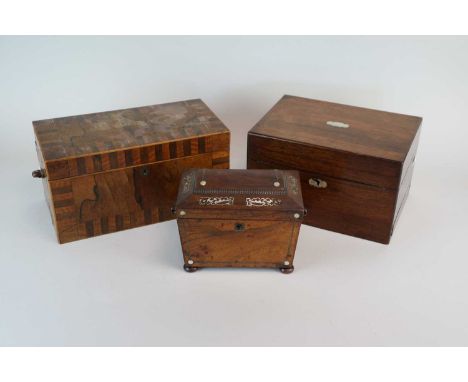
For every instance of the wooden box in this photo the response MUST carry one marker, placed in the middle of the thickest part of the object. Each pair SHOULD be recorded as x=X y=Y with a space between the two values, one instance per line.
x=239 y=218
x=110 y=171
x=355 y=164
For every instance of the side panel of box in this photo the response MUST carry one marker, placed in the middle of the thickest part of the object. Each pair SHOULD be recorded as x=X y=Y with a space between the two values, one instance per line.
x=406 y=178
x=410 y=157
x=46 y=186
x=403 y=194
x=111 y=201
x=346 y=207
x=238 y=243
x=220 y=147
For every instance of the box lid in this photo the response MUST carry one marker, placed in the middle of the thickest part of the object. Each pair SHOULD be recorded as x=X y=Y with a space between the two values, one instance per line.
x=375 y=142
x=240 y=194
x=73 y=146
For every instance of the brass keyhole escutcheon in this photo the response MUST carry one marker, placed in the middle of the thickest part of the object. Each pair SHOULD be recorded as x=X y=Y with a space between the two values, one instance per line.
x=239 y=227
x=317 y=183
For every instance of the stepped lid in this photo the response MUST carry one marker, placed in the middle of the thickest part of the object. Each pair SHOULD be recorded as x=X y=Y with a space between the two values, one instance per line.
x=246 y=194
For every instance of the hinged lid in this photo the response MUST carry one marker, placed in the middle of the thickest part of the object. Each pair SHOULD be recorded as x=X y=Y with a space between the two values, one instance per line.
x=90 y=143
x=240 y=194
x=353 y=143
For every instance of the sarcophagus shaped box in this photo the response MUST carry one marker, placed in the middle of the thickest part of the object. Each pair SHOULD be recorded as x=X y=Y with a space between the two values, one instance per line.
x=110 y=171
x=355 y=164
x=239 y=218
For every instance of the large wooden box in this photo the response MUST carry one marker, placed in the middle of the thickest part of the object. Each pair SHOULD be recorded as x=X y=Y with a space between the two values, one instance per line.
x=355 y=164
x=110 y=171
x=239 y=218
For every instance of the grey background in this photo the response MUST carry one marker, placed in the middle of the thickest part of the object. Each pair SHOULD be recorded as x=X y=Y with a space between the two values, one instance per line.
x=129 y=288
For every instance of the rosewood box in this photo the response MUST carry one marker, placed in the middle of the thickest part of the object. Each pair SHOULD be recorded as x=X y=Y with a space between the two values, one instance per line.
x=105 y=172
x=239 y=218
x=355 y=164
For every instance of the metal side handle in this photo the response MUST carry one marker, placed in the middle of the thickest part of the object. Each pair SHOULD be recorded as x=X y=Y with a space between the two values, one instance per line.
x=39 y=173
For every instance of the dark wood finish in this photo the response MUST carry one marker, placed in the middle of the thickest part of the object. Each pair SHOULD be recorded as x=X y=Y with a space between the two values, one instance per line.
x=344 y=206
x=239 y=218
x=90 y=192
x=374 y=133
x=364 y=157
x=357 y=168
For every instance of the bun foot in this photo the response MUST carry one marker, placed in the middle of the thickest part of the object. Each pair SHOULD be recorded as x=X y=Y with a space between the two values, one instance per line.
x=190 y=269
x=287 y=270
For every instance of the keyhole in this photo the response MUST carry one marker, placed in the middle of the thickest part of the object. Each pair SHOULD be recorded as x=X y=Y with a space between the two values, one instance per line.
x=239 y=227
x=145 y=172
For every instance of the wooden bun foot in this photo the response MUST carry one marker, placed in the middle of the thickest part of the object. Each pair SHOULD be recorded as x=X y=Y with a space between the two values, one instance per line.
x=287 y=270
x=190 y=269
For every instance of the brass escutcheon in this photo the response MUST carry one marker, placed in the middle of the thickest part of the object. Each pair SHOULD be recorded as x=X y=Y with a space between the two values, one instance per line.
x=239 y=227
x=318 y=183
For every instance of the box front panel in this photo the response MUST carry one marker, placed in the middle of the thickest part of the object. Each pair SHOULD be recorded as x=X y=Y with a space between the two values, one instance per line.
x=237 y=243
x=346 y=207
x=349 y=208
x=111 y=201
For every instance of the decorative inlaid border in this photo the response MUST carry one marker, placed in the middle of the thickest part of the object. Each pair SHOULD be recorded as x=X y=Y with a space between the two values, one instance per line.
x=289 y=182
x=242 y=191
x=293 y=186
x=262 y=202
x=187 y=183
x=216 y=201
x=71 y=227
x=91 y=164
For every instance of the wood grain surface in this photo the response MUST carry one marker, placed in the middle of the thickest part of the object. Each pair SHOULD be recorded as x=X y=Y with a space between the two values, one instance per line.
x=115 y=200
x=239 y=218
x=95 y=133
x=244 y=188
x=371 y=132
x=217 y=243
x=366 y=166
x=125 y=185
